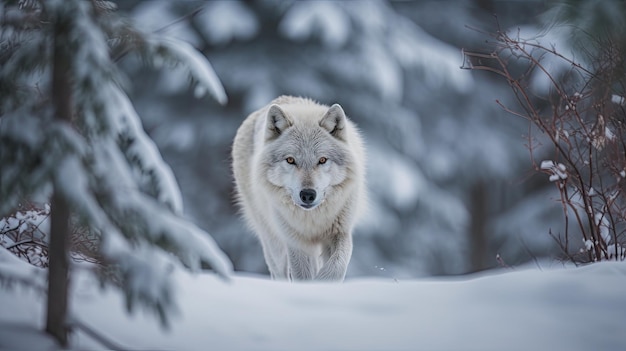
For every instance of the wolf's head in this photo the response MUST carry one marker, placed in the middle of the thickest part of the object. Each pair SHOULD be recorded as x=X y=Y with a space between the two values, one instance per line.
x=307 y=153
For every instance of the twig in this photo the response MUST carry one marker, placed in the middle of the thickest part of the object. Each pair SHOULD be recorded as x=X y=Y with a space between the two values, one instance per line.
x=26 y=241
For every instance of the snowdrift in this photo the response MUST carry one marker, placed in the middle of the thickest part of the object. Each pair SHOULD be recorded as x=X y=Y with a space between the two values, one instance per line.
x=557 y=309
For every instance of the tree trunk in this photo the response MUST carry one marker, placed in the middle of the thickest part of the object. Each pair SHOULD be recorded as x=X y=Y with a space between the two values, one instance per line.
x=478 y=223
x=58 y=269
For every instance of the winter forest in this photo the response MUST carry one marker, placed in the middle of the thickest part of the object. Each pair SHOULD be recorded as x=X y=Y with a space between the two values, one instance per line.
x=495 y=134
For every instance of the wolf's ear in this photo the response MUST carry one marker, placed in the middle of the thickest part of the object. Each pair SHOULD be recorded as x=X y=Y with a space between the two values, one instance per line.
x=277 y=122
x=335 y=121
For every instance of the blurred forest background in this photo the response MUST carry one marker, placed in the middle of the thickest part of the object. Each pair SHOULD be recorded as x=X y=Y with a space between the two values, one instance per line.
x=450 y=178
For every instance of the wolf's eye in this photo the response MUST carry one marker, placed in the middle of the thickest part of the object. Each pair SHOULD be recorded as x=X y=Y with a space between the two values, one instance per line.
x=323 y=160
x=290 y=160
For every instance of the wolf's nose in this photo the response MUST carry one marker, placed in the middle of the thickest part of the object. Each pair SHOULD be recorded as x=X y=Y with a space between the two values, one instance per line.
x=307 y=196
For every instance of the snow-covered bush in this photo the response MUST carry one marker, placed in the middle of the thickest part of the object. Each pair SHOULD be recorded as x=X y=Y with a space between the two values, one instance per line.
x=69 y=131
x=24 y=233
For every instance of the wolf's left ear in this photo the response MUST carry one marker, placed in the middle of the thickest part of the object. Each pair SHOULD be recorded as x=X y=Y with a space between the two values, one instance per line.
x=334 y=121
x=277 y=121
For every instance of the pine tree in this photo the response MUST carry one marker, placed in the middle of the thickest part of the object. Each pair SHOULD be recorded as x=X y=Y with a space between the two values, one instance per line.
x=68 y=131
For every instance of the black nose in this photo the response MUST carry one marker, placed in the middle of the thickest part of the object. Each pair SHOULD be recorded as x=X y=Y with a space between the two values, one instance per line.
x=307 y=196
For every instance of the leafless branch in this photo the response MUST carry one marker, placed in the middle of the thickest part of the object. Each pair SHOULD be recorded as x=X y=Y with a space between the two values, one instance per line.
x=586 y=131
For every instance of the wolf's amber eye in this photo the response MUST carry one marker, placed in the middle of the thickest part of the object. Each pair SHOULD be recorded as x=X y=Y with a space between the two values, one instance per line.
x=323 y=160
x=290 y=160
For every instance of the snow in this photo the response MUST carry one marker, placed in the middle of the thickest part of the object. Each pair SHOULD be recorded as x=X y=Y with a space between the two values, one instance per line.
x=527 y=309
x=188 y=241
x=196 y=64
x=558 y=170
x=382 y=63
x=15 y=270
x=401 y=182
x=93 y=54
x=18 y=337
x=324 y=18
x=224 y=21
x=383 y=70
x=180 y=136
x=616 y=252
x=144 y=151
x=406 y=36
x=179 y=42
x=157 y=16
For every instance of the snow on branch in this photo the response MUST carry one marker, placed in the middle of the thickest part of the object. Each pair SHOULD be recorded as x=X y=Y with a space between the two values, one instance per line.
x=141 y=151
x=326 y=19
x=102 y=169
x=436 y=60
x=198 y=67
x=120 y=156
x=141 y=217
x=108 y=112
x=556 y=171
x=138 y=233
x=15 y=270
x=33 y=148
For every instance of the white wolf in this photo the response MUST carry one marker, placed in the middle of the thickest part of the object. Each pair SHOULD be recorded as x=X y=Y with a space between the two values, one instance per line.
x=299 y=170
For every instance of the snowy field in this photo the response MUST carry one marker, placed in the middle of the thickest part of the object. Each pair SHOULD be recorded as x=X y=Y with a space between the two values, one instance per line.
x=525 y=309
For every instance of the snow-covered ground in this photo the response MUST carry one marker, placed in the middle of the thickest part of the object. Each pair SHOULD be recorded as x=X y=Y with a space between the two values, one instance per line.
x=524 y=309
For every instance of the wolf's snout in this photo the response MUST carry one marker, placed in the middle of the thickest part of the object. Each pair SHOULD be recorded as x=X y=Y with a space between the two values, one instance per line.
x=307 y=196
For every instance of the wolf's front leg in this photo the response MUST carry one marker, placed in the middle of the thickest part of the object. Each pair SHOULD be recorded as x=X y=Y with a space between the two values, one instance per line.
x=339 y=252
x=275 y=255
x=301 y=265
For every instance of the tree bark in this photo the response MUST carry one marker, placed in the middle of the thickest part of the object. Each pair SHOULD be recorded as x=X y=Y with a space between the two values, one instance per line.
x=478 y=224
x=58 y=268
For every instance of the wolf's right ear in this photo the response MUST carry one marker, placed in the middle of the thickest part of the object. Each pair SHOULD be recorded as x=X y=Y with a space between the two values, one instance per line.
x=277 y=122
x=335 y=121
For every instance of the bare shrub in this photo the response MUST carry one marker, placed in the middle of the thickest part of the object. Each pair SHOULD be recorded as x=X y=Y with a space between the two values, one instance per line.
x=24 y=232
x=581 y=120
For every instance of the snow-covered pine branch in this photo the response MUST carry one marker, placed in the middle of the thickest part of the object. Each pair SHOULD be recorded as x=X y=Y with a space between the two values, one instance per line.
x=159 y=50
x=196 y=65
x=104 y=165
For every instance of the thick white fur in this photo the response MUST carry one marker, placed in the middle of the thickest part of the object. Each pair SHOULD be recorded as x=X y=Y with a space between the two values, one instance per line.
x=301 y=243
